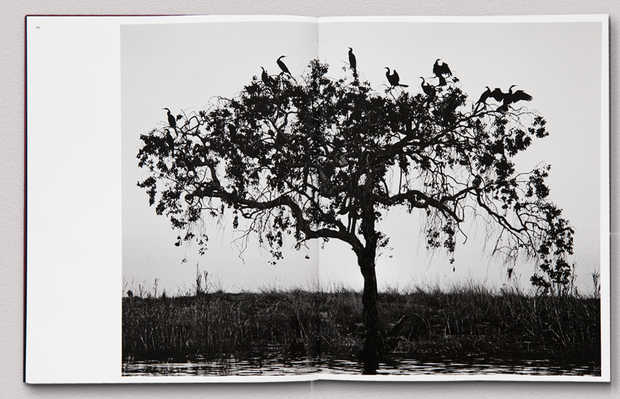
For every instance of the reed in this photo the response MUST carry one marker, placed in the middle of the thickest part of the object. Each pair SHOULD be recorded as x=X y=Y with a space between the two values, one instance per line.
x=465 y=321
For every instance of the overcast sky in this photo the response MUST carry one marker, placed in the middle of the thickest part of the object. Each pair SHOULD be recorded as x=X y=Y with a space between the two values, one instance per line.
x=182 y=66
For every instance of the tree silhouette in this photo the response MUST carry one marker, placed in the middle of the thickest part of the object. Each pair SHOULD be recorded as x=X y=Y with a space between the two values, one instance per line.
x=315 y=157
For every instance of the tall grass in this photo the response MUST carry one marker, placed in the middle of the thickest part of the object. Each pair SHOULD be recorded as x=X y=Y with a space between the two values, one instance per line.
x=469 y=321
x=474 y=321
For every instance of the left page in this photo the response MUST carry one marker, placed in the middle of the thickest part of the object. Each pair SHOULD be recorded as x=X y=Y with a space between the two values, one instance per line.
x=99 y=258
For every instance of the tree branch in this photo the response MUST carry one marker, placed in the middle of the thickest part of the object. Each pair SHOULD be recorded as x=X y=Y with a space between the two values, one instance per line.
x=303 y=225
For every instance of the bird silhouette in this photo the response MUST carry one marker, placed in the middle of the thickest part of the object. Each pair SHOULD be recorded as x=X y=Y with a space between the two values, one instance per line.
x=441 y=70
x=352 y=61
x=497 y=94
x=283 y=66
x=511 y=98
x=393 y=78
x=484 y=96
x=171 y=121
x=169 y=141
x=428 y=89
x=267 y=80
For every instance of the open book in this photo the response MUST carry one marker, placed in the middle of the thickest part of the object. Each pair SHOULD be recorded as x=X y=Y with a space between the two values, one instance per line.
x=291 y=198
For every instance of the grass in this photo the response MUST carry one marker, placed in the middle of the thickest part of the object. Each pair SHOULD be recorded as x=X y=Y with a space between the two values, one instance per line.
x=460 y=323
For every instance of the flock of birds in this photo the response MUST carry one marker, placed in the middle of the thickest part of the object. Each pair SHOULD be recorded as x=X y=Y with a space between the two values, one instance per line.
x=505 y=98
x=441 y=70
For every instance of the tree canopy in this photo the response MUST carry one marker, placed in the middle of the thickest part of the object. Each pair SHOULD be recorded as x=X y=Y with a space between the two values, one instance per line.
x=316 y=157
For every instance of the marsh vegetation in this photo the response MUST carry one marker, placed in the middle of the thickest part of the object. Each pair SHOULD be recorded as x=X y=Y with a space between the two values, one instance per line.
x=462 y=323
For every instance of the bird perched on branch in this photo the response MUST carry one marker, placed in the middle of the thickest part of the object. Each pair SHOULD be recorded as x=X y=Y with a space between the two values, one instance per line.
x=393 y=78
x=511 y=98
x=169 y=140
x=496 y=94
x=171 y=120
x=441 y=70
x=352 y=61
x=428 y=89
x=267 y=80
x=283 y=66
x=484 y=96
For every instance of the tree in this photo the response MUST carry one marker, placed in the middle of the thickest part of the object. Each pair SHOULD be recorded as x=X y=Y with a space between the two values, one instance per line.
x=311 y=157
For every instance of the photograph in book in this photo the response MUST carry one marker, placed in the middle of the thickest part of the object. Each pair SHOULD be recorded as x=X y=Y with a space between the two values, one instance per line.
x=395 y=198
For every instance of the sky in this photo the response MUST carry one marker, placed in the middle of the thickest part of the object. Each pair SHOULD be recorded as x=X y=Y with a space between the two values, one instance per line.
x=183 y=66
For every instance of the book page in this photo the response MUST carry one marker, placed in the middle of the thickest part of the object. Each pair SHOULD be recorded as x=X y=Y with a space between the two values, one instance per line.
x=549 y=58
x=95 y=85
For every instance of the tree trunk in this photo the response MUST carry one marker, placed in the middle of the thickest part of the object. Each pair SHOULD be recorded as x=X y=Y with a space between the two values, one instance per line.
x=374 y=345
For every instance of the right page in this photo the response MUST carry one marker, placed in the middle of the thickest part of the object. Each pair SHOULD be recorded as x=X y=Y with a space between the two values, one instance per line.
x=467 y=172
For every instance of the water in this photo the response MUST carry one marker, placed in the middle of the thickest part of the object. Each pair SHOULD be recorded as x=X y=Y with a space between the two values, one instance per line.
x=279 y=367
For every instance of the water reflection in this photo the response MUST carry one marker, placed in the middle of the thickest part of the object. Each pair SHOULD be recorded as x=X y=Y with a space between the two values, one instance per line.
x=279 y=367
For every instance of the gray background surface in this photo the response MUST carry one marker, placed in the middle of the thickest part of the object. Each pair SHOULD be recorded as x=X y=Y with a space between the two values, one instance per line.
x=12 y=84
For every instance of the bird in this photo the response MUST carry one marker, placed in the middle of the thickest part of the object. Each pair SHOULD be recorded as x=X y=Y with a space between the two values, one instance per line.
x=428 y=89
x=483 y=97
x=497 y=94
x=394 y=79
x=511 y=98
x=169 y=140
x=441 y=71
x=352 y=61
x=171 y=120
x=267 y=80
x=283 y=66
